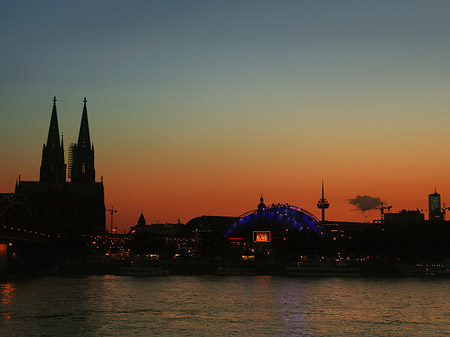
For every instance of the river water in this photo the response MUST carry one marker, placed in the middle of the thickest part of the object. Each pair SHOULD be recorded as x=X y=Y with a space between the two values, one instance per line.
x=225 y=306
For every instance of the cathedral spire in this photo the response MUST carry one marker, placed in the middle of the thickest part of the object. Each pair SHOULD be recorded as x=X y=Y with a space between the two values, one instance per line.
x=53 y=132
x=83 y=153
x=84 y=139
x=53 y=167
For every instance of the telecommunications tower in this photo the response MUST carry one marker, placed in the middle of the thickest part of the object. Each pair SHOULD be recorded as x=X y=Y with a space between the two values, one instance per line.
x=323 y=204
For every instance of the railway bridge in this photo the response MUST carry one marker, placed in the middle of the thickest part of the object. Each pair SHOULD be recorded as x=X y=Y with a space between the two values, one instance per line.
x=18 y=228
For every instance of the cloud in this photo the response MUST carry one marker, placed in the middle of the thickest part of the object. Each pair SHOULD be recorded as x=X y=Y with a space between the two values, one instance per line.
x=365 y=203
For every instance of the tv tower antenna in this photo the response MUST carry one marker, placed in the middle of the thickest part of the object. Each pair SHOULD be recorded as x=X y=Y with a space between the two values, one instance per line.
x=112 y=211
x=323 y=204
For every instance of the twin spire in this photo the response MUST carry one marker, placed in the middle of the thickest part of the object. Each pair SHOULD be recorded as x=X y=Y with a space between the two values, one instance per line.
x=84 y=139
x=53 y=168
x=53 y=132
x=81 y=156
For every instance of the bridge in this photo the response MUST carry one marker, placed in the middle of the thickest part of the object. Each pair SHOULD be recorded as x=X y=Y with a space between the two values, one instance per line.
x=26 y=247
x=18 y=225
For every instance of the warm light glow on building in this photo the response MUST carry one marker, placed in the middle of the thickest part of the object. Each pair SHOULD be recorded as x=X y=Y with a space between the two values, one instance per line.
x=261 y=236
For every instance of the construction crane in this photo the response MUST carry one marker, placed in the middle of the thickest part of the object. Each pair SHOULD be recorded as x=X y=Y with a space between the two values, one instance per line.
x=112 y=211
x=382 y=208
x=444 y=209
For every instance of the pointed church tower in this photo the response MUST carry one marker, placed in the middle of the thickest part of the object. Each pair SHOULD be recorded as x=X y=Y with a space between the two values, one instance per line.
x=261 y=206
x=141 y=221
x=83 y=153
x=53 y=168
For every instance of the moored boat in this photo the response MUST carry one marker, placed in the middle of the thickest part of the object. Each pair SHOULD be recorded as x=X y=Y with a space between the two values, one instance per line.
x=322 y=270
x=142 y=271
x=425 y=269
x=232 y=271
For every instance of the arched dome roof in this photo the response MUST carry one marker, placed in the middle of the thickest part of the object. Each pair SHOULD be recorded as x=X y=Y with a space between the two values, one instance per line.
x=279 y=219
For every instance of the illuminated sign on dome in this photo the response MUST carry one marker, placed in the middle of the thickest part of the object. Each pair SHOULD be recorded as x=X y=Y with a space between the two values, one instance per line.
x=261 y=236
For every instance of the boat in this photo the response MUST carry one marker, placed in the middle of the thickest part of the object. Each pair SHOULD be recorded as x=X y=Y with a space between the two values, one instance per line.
x=142 y=271
x=322 y=269
x=425 y=269
x=233 y=271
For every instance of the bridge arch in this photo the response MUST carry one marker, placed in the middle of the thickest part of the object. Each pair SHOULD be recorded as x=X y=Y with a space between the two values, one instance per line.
x=17 y=211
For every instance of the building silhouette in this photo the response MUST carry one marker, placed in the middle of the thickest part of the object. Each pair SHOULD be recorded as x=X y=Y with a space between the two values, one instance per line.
x=82 y=154
x=435 y=212
x=75 y=207
x=53 y=167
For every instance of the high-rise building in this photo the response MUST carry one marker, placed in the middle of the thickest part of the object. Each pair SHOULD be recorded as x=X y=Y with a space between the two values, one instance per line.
x=435 y=211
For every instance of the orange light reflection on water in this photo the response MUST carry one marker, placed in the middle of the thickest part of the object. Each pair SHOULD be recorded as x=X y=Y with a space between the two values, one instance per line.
x=8 y=291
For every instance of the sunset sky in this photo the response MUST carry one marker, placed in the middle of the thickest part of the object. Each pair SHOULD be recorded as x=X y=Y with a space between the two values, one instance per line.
x=196 y=107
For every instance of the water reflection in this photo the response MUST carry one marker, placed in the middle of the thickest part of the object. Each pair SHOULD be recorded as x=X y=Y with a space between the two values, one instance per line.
x=292 y=308
x=211 y=305
x=7 y=291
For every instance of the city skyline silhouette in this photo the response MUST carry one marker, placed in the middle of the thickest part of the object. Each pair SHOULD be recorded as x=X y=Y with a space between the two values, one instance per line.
x=195 y=109
x=211 y=168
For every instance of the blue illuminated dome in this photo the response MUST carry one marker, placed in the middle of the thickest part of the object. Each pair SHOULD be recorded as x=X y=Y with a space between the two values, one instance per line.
x=279 y=219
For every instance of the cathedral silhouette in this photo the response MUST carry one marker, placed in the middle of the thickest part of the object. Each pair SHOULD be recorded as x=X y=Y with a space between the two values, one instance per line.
x=63 y=207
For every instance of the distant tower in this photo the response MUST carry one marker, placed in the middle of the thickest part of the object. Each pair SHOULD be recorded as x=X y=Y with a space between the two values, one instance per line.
x=434 y=207
x=82 y=153
x=323 y=204
x=262 y=205
x=53 y=168
x=141 y=221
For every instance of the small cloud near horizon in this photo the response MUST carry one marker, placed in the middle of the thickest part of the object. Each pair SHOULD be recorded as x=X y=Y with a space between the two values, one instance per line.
x=365 y=203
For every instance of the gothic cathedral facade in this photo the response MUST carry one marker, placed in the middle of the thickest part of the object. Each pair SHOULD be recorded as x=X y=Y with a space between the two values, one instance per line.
x=63 y=207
